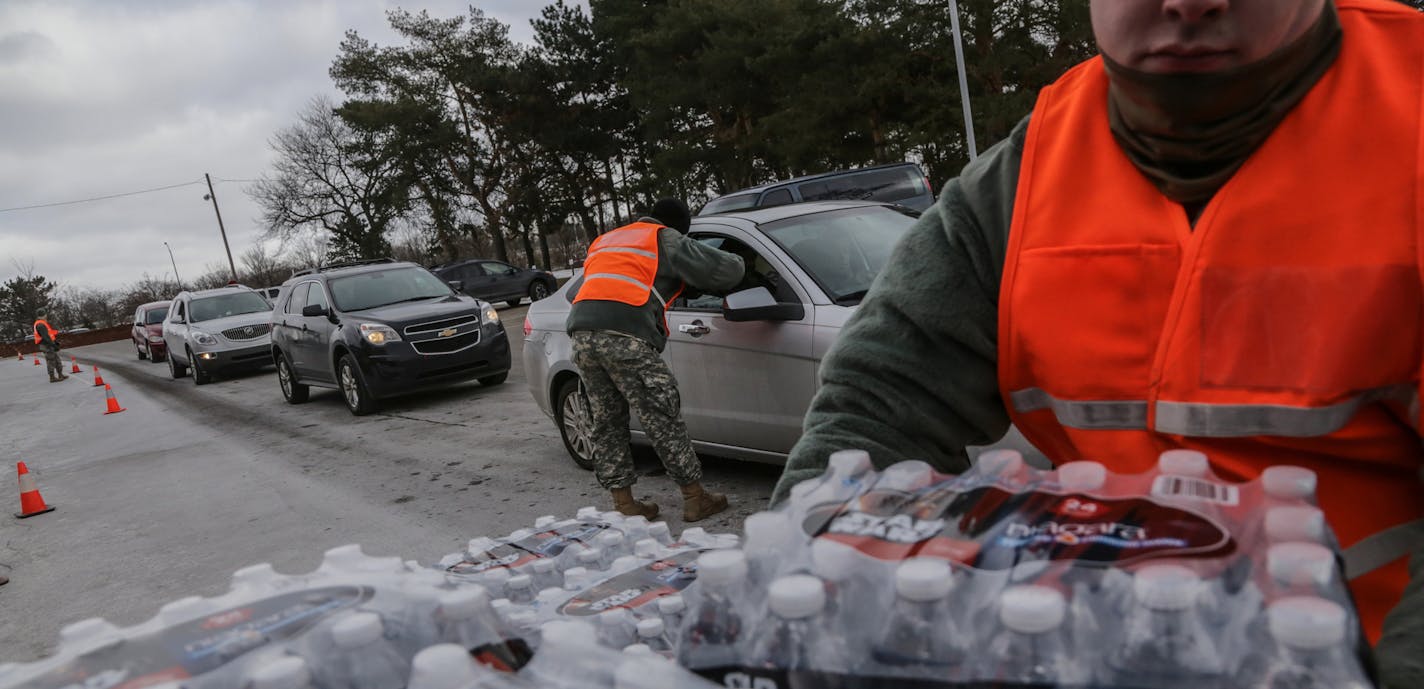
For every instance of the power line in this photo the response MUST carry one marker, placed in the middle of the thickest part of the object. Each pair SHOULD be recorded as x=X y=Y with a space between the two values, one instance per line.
x=101 y=198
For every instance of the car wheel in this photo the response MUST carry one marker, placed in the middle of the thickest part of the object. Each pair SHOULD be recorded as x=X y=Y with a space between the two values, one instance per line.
x=538 y=290
x=575 y=423
x=515 y=302
x=292 y=391
x=141 y=353
x=176 y=369
x=491 y=381
x=353 y=387
x=200 y=377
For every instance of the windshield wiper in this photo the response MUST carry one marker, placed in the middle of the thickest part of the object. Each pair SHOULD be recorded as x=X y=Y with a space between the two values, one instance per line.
x=851 y=298
x=402 y=301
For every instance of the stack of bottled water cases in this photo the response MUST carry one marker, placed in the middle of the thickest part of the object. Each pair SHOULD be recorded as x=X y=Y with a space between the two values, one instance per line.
x=1008 y=576
x=362 y=622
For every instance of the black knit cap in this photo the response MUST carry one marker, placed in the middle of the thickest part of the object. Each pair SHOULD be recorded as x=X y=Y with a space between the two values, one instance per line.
x=673 y=213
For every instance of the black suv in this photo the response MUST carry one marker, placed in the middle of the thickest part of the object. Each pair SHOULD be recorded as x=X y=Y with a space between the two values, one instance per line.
x=374 y=329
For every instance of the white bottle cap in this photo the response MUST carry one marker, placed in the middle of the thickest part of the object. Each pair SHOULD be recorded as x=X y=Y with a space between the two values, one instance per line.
x=609 y=540
x=1300 y=564
x=287 y=672
x=627 y=563
x=543 y=566
x=182 y=610
x=588 y=512
x=659 y=531
x=650 y=627
x=88 y=633
x=635 y=523
x=909 y=475
x=356 y=630
x=722 y=567
x=443 y=666
x=521 y=581
x=648 y=548
x=1001 y=463
x=1082 y=475
x=464 y=603
x=1032 y=609
x=478 y=546
x=1166 y=587
x=524 y=619
x=520 y=534
x=551 y=594
x=651 y=671
x=695 y=536
x=502 y=606
x=1183 y=463
x=796 y=596
x=671 y=604
x=575 y=578
x=255 y=576
x=614 y=617
x=1307 y=623
x=590 y=556
x=545 y=521
x=568 y=633
x=923 y=579
x=1289 y=482
x=1295 y=523
x=848 y=462
x=495 y=578
x=611 y=516
x=834 y=560
x=638 y=649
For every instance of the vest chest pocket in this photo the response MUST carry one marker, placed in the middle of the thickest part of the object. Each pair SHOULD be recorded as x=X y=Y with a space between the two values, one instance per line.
x=1323 y=330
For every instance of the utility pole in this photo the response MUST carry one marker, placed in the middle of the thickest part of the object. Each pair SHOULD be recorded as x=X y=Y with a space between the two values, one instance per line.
x=214 y=197
x=175 y=266
x=963 y=81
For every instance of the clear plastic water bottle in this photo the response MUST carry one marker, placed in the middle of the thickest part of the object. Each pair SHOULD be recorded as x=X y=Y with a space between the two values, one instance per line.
x=649 y=549
x=546 y=574
x=588 y=514
x=1082 y=476
x=577 y=578
x=1032 y=646
x=627 y=563
x=1004 y=465
x=921 y=631
x=612 y=544
x=362 y=658
x=286 y=672
x=635 y=528
x=792 y=638
x=1313 y=653
x=660 y=532
x=1301 y=567
x=672 y=608
x=1164 y=636
x=772 y=542
x=495 y=580
x=545 y=522
x=593 y=560
x=520 y=589
x=466 y=617
x=447 y=666
x=616 y=628
x=711 y=637
x=653 y=634
x=1295 y=523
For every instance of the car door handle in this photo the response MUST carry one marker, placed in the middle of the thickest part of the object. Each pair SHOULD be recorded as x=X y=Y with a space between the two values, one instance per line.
x=695 y=329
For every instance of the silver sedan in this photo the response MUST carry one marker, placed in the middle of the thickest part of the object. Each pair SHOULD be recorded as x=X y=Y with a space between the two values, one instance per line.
x=747 y=366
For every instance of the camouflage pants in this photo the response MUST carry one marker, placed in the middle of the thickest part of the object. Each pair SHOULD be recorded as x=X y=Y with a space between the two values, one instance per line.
x=52 y=363
x=620 y=371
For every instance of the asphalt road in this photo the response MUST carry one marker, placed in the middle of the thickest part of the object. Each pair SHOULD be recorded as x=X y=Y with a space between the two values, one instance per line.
x=190 y=483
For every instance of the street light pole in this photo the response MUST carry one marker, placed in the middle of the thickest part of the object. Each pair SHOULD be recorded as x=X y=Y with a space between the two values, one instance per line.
x=963 y=81
x=175 y=266
x=214 y=197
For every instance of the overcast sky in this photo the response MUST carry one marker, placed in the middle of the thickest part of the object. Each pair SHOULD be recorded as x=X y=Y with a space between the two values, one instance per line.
x=101 y=97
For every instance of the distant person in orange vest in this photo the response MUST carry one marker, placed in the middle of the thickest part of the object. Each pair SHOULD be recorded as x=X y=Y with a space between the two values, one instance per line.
x=48 y=341
x=619 y=329
x=1208 y=237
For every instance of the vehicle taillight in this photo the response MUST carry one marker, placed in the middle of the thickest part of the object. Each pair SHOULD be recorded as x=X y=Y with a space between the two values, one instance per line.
x=928 y=187
x=528 y=327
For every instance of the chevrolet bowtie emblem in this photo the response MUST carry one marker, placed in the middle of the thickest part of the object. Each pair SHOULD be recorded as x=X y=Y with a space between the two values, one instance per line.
x=447 y=332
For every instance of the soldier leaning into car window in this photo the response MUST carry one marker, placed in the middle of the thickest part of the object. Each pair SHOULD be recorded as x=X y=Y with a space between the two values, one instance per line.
x=619 y=328
x=46 y=338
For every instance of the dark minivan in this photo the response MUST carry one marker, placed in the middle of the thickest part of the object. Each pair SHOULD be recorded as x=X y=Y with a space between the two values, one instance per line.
x=903 y=184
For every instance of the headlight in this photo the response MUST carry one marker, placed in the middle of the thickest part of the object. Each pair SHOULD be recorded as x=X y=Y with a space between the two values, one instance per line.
x=203 y=338
x=378 y=334
x=155 y=338
x=491 y=315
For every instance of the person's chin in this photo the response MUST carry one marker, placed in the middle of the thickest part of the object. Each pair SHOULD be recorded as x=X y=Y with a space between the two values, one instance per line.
x=1201 y=63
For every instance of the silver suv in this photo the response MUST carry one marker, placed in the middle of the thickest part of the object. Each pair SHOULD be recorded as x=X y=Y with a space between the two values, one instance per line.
x=215 y=330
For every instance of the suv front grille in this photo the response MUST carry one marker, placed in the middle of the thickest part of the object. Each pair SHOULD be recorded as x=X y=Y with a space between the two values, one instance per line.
x=447 y=345
x=247 y=332
x=437 y=326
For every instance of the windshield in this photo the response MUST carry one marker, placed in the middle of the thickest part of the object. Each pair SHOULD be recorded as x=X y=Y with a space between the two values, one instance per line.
x=385 y=287
x=155 y=316
x=222 y=306
x=727 y=204
x=842 y=250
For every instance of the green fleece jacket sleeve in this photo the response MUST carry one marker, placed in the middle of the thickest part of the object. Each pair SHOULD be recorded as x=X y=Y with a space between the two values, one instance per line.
x=702 y=267
x=914 y=373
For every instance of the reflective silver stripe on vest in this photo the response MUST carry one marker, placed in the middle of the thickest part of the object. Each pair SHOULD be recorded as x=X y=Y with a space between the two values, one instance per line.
x=1384 y=547
x=625 y=278
x=1208 y=420
x=1102 y=415
x=622 y=250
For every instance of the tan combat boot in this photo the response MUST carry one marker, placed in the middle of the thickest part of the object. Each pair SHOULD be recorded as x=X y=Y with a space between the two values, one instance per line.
x=623 y=502
x=698 y=504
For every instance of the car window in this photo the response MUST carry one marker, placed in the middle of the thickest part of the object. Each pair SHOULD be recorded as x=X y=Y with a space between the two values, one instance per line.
x=155 y=316
x=778 y=197
x=844 y=250
x=760 y=273
x=893 y=184
x=179 y=312
x=298 y=298
x=316 y=296
x=727 y=204
x=385 y=287
x=496 y=269
x=225 y=305
x=138 y=316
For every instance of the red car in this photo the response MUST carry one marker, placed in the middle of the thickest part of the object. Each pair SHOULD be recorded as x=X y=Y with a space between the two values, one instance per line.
x=147 y=331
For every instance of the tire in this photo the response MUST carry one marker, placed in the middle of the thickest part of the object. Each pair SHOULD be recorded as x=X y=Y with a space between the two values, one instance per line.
x=538 y=290
x=354 y=390
x=515 y=302
x=176 y=369
x=200 y=377
x=156 y=358
x=292 y=391
x=491 y=381
x=571 y=416
x=141 y=353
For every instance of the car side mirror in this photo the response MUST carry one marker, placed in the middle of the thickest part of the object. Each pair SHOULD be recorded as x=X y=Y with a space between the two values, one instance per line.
x=313 y=310
x=757 y=304
x=511 y=270
x=178 y=320
x=457 y=285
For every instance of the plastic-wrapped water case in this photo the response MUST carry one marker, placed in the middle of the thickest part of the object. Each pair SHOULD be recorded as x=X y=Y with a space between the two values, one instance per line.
x=1009 y=576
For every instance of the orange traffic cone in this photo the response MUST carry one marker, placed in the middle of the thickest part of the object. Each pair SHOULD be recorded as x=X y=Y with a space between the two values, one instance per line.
x=114 y=407
x=37 y=360
x=31 y=503
x=76 y=366
x=98 y=379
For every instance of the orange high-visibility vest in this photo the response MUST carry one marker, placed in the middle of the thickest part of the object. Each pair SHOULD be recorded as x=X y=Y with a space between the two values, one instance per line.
x=1285 y=328
x=622 y=265
x=52 y=333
